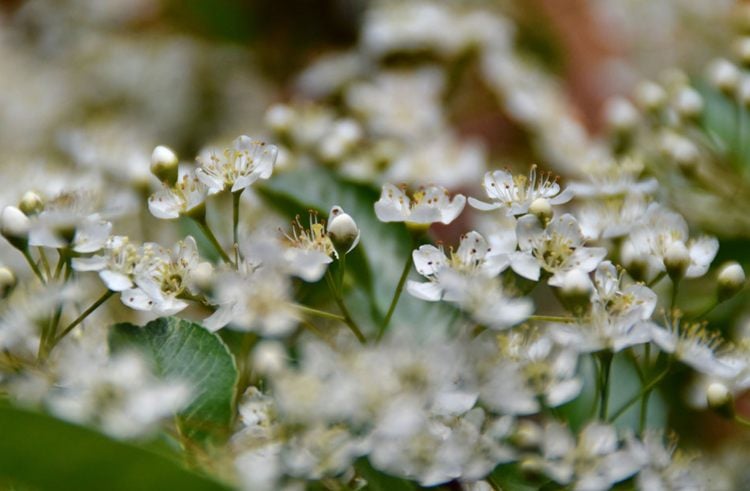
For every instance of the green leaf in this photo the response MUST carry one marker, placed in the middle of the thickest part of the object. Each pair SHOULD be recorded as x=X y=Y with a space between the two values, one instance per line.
x=183 y=350
x=41 y=452
x=508 y=477
x=378 y=481
x=384 y=247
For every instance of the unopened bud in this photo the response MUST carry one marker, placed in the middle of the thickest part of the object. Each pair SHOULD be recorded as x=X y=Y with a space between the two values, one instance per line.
x=635 y=262
x=269 y=357
x=575 y=291
x=689 y=103
x=621 y=116
x=343 y=230
x=527 y=434
x=15 y=226
x=731 y=279
x=31 y=203
x=742 y=49
x=650 y=96
x=724 y=75
x=280 y=118
x=676 y=260
x=164 y=164
x=720 y=399
x=7 y=281
x=542 y=209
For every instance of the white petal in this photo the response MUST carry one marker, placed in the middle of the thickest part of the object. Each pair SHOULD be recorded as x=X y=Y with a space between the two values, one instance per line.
x=702 y=251
x=94 y=263
x=136 y=299
x=528 y=230
x=116 y=282
x=451 y=212
x=525 y=265
x=481 y=205
x=429 y=291
x=428 y=260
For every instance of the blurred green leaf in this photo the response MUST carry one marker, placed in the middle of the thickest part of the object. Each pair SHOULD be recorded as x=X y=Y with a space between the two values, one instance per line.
x=41 y=452
x=508 y=477
x=185 y=351
x=384 y=247
x=378 y=481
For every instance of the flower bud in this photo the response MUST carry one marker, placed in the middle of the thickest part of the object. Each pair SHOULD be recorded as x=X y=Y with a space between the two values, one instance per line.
x=635 y=262
x=730 y=281
x=31 y=203
x=15 y=225
x=724 y=75
x=280 y=118
x=689 y=103
x=650 y=96
x=343 y=230
x=542 y=209
x=575 y=291
x=164 y=164
x=720 y=399
x=621 y=116
x=676 y=260
x=742 y=49
x=269 y=357
x=7 y=281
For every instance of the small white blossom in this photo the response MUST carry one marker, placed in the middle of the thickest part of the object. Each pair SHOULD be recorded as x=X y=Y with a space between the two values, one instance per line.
x=426 y=206
x=514 y=194
x=557 y=249
x=238 y=167
x=186 y=197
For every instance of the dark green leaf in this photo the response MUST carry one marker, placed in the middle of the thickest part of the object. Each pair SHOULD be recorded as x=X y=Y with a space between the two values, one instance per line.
x=183 y=350
x=378 y=481
x=40 y=452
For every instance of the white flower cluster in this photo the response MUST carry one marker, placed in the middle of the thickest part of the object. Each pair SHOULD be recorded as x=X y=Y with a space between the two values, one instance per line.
x=528 y=337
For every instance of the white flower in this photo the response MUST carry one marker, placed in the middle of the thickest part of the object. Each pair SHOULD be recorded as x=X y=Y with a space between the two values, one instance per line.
x=69 y=220
x=618 y=317
x=238 y=167
x=695 y=346
x=557 y=249
x=426 y=206
x=646 y=248
x=186 y=197
x=257 y=301
x=14 y=224
x=514 y=194
x=473 y=257
x=118 y=394
x=162 y=277
x=308 y=252
x=116 y=267
x=593 y=463
x=662 y=465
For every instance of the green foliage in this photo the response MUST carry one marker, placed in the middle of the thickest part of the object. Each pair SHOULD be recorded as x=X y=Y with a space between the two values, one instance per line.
x=377 y=481
x=41 y=452
x=185 y=351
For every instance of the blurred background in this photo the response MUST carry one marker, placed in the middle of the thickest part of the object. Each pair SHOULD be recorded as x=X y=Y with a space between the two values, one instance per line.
x=376 y=91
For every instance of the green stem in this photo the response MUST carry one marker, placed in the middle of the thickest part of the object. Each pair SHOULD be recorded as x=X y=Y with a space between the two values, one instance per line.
x=212 y=238
x=319 y=313
x=741 y=420
x=33 y=265
x=606 y=366
x=83 y=316
x=644 y=412
x=348 y=320
x=396 y=296
x=675 y=287
x=647 y=388
x=43 y=257
x=657 y=279
x=236 y=213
